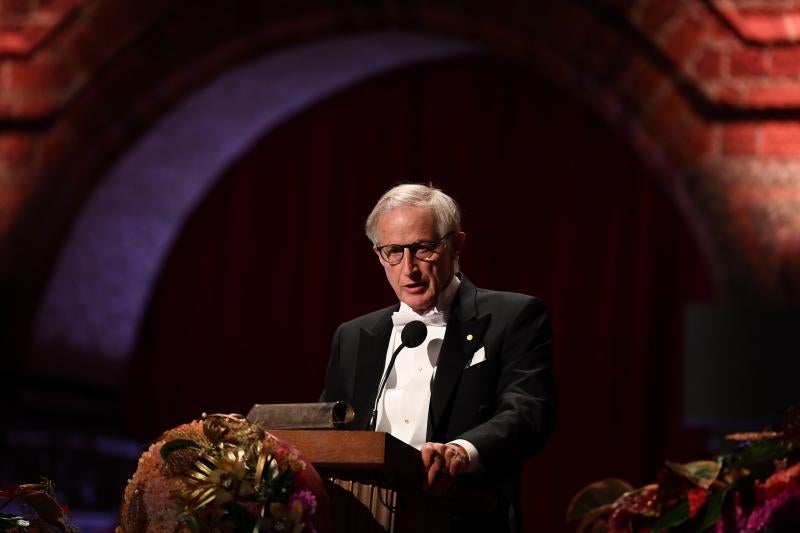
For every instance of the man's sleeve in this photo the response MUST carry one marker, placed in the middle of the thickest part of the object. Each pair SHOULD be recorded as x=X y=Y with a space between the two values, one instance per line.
x=474 y=465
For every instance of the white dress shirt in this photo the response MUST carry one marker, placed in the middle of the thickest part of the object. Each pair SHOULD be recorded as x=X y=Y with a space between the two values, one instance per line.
x=403 y=408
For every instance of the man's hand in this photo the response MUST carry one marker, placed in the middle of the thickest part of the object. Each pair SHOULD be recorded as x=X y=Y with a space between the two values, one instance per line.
x=442 y=462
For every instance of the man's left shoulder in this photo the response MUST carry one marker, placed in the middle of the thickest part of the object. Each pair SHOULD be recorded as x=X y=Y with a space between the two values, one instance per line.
x=515 y=300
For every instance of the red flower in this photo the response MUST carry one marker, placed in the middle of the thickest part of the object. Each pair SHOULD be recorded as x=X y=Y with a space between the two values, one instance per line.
x=697 y=498
x=778 y=483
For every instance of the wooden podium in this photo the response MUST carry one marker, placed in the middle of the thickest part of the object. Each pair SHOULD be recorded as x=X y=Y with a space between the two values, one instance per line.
x=374 y=482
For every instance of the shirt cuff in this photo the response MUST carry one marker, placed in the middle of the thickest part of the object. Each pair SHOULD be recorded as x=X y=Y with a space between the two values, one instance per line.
x=474 y=466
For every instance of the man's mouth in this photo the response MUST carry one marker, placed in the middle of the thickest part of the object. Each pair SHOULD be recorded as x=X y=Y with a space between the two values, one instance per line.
x=415 y=287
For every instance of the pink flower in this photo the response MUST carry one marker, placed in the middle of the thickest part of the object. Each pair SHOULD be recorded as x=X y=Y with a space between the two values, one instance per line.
x=308 y=501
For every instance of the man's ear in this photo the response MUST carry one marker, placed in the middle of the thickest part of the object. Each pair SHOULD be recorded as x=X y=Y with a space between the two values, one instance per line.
x=458 y=242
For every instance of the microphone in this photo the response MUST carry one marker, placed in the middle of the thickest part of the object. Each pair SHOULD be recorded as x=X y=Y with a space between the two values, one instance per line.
x=413 y=335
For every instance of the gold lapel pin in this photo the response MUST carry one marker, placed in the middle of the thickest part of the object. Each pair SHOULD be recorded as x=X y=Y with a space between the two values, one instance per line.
x=470 y=337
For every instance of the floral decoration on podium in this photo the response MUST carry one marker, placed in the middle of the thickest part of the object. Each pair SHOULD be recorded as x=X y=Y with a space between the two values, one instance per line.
x=222 y=473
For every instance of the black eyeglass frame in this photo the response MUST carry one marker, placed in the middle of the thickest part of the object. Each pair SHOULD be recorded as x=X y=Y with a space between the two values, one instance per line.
x=413 y=248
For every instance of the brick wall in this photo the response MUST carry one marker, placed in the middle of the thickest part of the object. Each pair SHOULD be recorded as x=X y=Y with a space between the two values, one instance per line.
x=706 y=90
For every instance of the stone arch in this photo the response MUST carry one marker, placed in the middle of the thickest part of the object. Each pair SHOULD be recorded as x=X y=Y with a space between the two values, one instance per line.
x=100 y=285
x=684 y=81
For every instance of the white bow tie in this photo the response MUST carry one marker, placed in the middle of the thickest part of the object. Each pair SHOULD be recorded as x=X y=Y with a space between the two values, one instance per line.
x=432 y=318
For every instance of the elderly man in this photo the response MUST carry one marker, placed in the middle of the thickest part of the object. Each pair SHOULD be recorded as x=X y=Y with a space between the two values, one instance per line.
x=476 y=397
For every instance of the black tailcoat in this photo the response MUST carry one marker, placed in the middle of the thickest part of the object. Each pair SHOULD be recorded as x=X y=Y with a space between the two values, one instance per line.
x=503 y=405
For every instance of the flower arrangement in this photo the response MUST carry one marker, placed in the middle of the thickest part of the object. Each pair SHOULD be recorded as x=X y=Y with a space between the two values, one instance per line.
x=754 y=488
x=38 y=497
x=222 y=473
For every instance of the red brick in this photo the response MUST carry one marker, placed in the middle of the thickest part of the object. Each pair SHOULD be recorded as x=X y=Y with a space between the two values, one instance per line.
x=14 y=8
x=774 y=95
x=37 y=89
x=768 y=8
x=24 y=106
x=747 y=63
x=15 y=148
x=739 y=139
x=719 y=31
x=12 y=42
x=728 y=94
x=764 y=27
x=683 y=39
x=666 y=116
x=22 y=40
x=25 y=24
x=792 y=21
x=786 y=61
x=782 y=139
x=760 y=24
x=655 y=14
x=25 y=76
x=694 y=141
x=709 y=65
x=759 y=196
x=638 y=84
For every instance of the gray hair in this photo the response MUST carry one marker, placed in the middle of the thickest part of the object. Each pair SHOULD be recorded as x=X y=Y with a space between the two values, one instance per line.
x=445 y=209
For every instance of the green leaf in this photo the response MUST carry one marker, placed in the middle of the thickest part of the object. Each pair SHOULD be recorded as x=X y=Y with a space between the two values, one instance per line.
x=175 y=445
x=714 y=507
x=240 y=517
x=759 y=458
x=757 y=453
x=674 y=517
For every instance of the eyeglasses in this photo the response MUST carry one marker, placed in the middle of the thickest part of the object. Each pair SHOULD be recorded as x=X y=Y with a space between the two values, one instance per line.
x=422 y=250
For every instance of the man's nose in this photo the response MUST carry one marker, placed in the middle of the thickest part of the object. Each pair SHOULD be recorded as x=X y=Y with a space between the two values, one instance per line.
x=409 y=261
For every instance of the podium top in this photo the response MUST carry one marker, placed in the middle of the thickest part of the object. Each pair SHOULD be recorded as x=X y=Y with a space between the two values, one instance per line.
x=378 y=458
x=366 y=456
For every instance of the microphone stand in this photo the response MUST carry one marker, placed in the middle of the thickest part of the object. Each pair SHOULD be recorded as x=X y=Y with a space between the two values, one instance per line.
x=374 y=416
x=413 y=335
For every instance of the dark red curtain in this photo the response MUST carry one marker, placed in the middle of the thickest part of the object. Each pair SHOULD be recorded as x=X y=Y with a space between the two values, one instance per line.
x=556 y=205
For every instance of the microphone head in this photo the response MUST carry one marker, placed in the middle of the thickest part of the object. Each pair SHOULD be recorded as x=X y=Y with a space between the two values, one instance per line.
x=414 y=334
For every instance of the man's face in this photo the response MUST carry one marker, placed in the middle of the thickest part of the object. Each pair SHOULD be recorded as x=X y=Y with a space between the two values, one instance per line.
x=418 y=282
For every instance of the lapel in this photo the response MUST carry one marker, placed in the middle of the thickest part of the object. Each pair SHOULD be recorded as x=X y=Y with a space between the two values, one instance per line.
x=464 y=335
x=370 y=361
